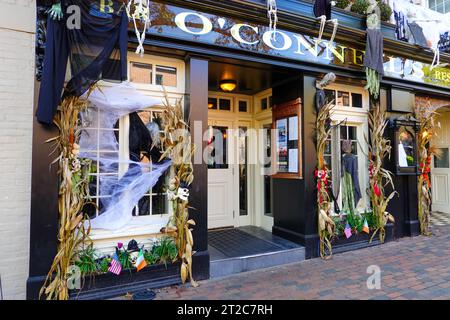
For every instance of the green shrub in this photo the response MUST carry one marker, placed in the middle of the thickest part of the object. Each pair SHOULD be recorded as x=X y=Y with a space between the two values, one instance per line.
x=342 y=4
x=386 y=11
x=360 y=6
x=103 y=264
x=124 y=258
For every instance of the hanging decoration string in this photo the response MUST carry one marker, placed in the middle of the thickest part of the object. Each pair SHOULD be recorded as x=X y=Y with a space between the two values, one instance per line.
x=142 y=14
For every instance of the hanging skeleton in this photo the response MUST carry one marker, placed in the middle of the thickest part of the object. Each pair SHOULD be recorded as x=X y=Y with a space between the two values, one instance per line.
x=141 y=13
x=373 y=59
x=322 y=11
x=272 y=15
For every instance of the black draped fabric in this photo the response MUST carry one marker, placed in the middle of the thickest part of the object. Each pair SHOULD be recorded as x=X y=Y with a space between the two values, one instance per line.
x=322 y=8
x=373 y=58
x=97 y=50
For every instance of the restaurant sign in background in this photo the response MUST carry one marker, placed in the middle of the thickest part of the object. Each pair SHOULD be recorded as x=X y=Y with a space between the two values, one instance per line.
x=199 y=27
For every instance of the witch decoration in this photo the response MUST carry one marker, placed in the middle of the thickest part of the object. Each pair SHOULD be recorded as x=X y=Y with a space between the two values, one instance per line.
x=373 y=59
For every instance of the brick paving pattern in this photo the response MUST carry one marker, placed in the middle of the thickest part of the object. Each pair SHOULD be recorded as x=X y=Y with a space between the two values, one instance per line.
x=440 y=218
x=411 y=268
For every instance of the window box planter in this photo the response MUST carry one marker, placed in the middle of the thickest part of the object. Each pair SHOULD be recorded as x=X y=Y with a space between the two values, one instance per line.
x=108 y=285
x=360 y=240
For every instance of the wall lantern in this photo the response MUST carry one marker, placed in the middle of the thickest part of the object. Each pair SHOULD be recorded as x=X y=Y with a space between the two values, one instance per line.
x=228 y=85
x=405 y=146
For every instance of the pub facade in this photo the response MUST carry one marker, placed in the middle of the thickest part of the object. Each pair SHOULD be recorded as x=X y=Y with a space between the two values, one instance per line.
x=249 y=95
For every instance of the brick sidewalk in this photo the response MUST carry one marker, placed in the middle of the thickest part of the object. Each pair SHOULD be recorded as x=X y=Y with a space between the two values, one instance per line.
x=411 y=268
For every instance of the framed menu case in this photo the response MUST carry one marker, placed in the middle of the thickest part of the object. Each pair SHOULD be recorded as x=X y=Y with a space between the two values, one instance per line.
x=287 y=155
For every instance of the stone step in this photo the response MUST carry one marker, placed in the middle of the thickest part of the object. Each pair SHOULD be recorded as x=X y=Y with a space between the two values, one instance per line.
x=228 y=266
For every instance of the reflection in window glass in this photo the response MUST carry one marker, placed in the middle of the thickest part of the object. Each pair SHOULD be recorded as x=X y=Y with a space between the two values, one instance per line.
x=267 y=180
x=166 y=76
x=243 y=187
x=264 y=104
x=242 y=106
x=270 y=102
x=405 y=148
x=217 y=148
x=225 y=104
x=441 y=158
x=356 y=100
x=343 y=99
x=154 y=202
x=141 y=73
x=212 y=103
x=330 y=95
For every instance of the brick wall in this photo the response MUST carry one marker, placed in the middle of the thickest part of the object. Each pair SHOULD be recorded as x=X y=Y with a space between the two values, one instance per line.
x=16 y=103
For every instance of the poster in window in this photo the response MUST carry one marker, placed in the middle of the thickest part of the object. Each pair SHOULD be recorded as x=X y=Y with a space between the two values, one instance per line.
x=282 y=150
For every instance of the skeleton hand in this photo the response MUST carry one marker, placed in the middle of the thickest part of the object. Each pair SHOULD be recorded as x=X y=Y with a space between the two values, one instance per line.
x=55 y=11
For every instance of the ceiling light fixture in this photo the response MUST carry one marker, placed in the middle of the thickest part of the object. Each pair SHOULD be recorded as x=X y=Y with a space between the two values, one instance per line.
x=227 y=85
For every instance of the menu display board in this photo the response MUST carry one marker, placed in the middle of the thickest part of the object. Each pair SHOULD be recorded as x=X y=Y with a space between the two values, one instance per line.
x=287 y=140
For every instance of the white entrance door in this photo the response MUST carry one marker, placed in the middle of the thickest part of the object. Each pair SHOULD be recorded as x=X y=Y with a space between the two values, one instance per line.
x=220 y=177
x=440 y=168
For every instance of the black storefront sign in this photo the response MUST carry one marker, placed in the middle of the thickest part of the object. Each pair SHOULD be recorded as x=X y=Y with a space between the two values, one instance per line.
x=200 y=27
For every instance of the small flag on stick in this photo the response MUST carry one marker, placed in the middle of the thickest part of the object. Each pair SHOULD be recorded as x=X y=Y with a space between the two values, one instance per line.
x=115 y=266
x=140 y=261
x=365 y=226
x=347 y=231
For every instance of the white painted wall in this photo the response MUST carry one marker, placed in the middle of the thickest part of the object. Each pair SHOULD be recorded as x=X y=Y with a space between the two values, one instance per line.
x=17 y=34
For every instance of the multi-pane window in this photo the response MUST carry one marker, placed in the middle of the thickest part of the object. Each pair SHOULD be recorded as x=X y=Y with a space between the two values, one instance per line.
x=147 y=73
x=442 y=6
x=223 y=104
x=344 y=98
x=99 y=147
x=154 y=202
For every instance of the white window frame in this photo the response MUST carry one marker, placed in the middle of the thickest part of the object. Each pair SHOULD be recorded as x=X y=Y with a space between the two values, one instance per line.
x=358 y=117
x=446 y=8
x=148 y=224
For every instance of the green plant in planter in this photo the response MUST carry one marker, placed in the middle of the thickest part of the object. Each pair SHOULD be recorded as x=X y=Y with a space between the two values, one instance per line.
x=103 y=264
x=150 y=257
x=360 y=6
x=124 y=258
x=371 y=219
x=355 y=221
x=339 y=226
x=165 y=250
x=385 y=11
x=86 y=260
x=342 y=4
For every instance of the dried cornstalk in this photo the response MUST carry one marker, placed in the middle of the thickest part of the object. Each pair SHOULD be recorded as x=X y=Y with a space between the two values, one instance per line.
x=73 y=194
x=379 y=149
x=177 y=145
x=325 y=222
x=427 y=130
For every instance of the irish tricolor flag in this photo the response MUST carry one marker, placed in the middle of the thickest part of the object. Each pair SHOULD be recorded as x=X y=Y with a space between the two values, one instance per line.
x=140 y=261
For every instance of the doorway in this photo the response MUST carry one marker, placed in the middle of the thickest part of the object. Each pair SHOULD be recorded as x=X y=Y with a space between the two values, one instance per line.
x=440 y=168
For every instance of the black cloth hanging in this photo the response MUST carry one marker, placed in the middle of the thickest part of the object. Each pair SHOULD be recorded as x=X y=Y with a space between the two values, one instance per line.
x=373 y=58
x=350 y=165
x=96 y=50
x=322 y=8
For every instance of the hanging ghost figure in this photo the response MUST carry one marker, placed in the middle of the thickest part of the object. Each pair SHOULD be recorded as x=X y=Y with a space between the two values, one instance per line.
x=322 y=11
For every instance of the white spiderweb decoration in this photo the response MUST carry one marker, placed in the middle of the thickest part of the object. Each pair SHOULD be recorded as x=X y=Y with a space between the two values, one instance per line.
x=141 y=13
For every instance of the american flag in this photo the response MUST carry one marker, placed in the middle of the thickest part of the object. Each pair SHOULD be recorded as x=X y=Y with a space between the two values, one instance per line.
x=115 y=266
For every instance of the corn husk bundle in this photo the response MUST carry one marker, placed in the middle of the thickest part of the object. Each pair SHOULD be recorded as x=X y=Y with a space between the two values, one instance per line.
x=325 y=223
x=73 y=195
x=379 y=149
x=427 y=130
x=177 y=145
